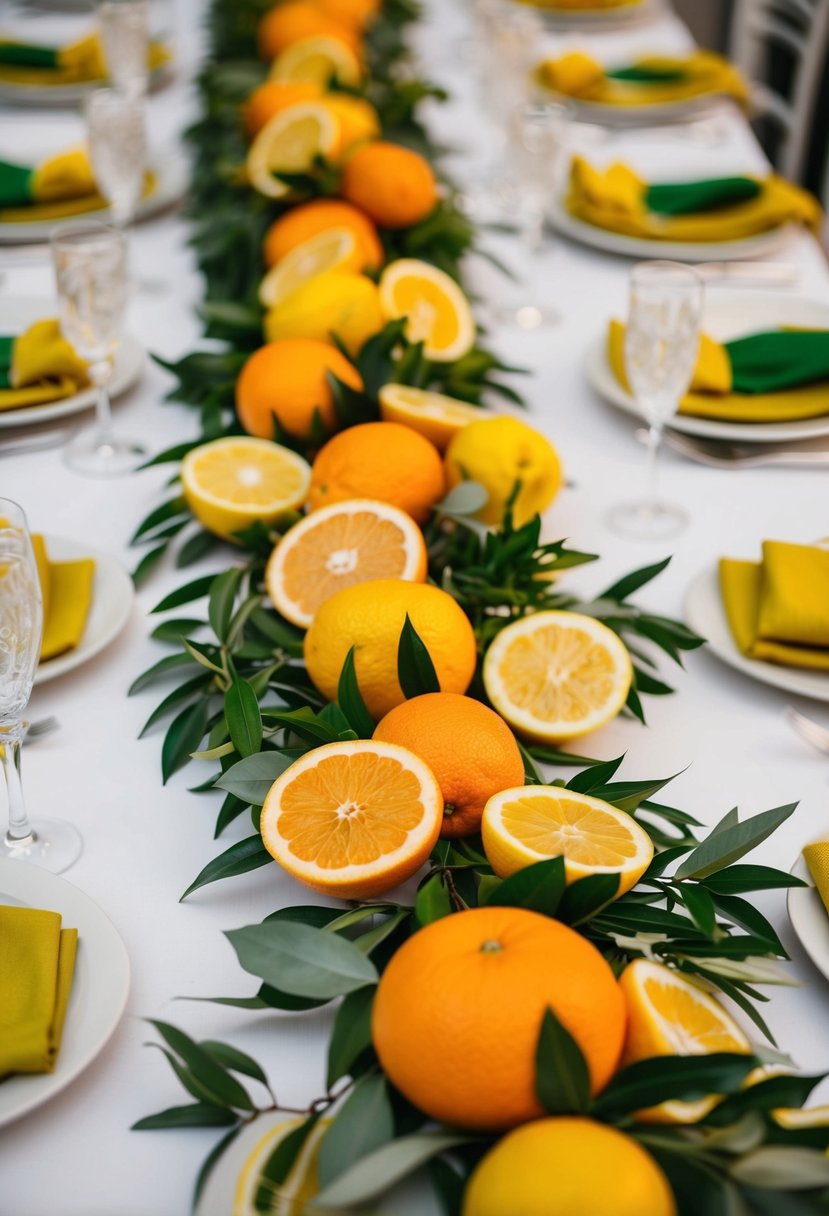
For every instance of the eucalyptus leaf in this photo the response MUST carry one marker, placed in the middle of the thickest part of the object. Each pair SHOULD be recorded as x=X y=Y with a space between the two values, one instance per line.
x=205 y=1069
x=724 y=846
x=350 y=1035
x=211 y=1161
x=783 y=1168
x=221 y=601
x=302 y=960
x=244 y=721
x=362 y=1124
x=183 y=737
x=240 y=858
x=195 y=590
x=687 y=1078
x=466 y=498
x=252 y=777
x=231 y=1057
x=380 y=1170
x=197 y=1114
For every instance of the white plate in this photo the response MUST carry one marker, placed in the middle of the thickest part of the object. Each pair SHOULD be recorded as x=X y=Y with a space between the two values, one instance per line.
x=809 y=918
x=705 y=614
x=599 y=18
x=660 y=113
x=112 y=599
x=728 y=315
x=677 y=251
x=17 y=313
x=171 y=186
x=99 y=987
x=42 y=95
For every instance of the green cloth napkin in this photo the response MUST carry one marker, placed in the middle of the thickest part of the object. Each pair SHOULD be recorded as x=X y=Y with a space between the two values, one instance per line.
x=689 y=198
x=645 y=75
x=29 y=55
x=779 y=359
x=37 y=960
x=6 y=350
x=16 y=184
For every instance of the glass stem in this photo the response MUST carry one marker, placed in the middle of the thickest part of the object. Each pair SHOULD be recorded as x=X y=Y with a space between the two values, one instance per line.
x=99 y=374
x=19 y=832
x=654 y=441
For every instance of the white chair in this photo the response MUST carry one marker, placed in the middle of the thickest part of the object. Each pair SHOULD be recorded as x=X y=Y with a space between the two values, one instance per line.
x=801 y=27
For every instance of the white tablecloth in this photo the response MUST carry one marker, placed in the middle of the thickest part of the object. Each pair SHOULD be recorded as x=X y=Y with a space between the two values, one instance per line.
x=144 y=843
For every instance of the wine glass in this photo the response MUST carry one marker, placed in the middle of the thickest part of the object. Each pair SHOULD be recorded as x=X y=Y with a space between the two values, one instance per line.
x=118 y=150
x=91 y=273
x=125 y=34
x=661 y=346
x=53 y=844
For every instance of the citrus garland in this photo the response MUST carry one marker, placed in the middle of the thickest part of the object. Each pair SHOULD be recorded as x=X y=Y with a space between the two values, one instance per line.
x=483 y=1044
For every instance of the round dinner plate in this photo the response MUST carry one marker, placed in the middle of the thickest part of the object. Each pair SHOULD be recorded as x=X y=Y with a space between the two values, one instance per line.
x=171 y=186
x=659 y=114
x=99 y=988
x=113 y=594
x=705 y=614
x=809 y=918
x=728 y=315
x=42 y=95
x=17 y=313
x=597 y=19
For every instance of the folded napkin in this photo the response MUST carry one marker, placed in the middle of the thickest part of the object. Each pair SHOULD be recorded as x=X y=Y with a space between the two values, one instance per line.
x=719 y=209
x=653 y=80
x=37 y=366
x=778 y=608
x=62 y=185
x=79 y=62
x=37 y=960
x=816 y=856
x=66 y=590
x=778 y=376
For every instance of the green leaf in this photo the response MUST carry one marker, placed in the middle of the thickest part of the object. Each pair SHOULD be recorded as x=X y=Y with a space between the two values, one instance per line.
x=350 y=700
x=195 y=548
x=147 y=564
x=781 y=1168
x=243 y=718
x=768 y=1095
x=186 y=594
x=632 y=582
x=538 y=887
x=742 y=913
x=216 y=1078
x=240 y=858
x=350 y=1035
x=380 y=1170
x=231 y=1057
x=737 y=880
x=160 y=515
x=251 y=778
x=302 y=960
x=190 y=688
x=164 y=667
x=223 y=590
x=466 y=498
x=210 y=1161
x=176 y=630
x=562 y=1079
x=687 y=1078
x=726 y=845
x=595 y=776
x=415 y=669
x=278 y=1165
x=363 y=1123
x=183 y=737
x=432 y=901
x=700 y=906
x=197 y=1114
x=587 y=896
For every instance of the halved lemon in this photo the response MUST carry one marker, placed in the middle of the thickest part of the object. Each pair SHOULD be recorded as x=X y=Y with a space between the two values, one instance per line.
x=353 y=819
x=340 y=545
x=318 y=60
x=289 y=143
x=669 y=1015
x=334 y=249
x=437 y=311
x=557 y=675
x=532 y=823
x=231 y=483
x=300 y=1184
x=434 y=415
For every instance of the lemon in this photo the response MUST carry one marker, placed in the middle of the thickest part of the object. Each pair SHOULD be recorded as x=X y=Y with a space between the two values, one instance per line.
x=435 y=416
x=337 y=303
x=436 y=310
x=289 y=143
x=317 y=60
x=232 y=483
x=568 y=1166
x=334 y=249
x=500 y=453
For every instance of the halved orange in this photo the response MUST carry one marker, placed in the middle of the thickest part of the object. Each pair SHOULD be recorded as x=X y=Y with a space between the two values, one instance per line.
x=232 y=483
x=434 y=415
x=318 y=60
x=353 y=819
x=334 y=249
x=437 y=311
x=338 y=546
x=289 y=143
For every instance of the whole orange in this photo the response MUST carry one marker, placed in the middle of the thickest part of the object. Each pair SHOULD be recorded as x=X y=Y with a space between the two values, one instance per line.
x=393 y=185
x=469 y=748
x=382 y=460
x=272 y=97
x=287 y=23
x=459 y=1008
x=305 y=221
x=287 y=380
x=354 y=13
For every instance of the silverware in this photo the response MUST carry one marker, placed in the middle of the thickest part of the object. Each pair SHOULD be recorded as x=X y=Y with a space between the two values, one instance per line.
x=811 y=731
x=721 y=454
x=34 y=443
x=754 y=274
x=40 y=729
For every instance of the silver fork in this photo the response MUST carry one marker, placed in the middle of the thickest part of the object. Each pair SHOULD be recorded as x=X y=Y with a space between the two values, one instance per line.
x=722 y=454
x=808 y=729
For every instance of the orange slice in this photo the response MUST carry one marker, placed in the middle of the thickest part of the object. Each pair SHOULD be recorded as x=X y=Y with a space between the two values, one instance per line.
x=557 y=675
x=340 y=545
x=526 y=825
x=353 y=819
x=437 y=311
x=231 y=483
x=317 y=60
x=334 y=249
x=434 y=415
x=289 y=143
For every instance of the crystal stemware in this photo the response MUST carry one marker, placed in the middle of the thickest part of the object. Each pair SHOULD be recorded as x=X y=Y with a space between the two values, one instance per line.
x=117 y=143
x=125 y=34
x=91 y=274
x=53 y=843
x=661 y=345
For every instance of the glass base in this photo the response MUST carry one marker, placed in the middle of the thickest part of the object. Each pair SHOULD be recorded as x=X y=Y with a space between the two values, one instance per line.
x=525 y=316
x=98 y=453
x=647 y=520
x=53 y=845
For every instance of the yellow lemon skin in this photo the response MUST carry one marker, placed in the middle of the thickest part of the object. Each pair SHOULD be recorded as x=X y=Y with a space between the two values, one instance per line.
x=498 y=452
x=337 y=302
x=568 y=1166
x=370 y=617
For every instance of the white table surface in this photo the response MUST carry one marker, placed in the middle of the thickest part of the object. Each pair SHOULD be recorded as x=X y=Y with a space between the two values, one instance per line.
x=143 y=843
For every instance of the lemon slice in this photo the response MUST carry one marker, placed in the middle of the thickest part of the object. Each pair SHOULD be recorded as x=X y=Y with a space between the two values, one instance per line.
x=354 y=818
x=302 y=1181
x=334 y=249
x=338 y=546
x=289 y=143
x=437 y=311
x=317 y=60
x=670 y=1015
x=557 y=675
x=524 y=825
x=231 y=483
x=437 y=417
x=794 y=1118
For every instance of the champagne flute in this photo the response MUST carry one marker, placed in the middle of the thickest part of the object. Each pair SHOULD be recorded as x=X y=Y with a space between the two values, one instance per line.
x=125 y=34
x=53 y=844
x=117 y=142
x=91 y=273
x=661 y=346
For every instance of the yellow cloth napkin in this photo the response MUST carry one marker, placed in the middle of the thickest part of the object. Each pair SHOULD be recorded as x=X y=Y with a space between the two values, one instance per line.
x=64 y=186
x=816 y=856
x=709 y=394
x=67 y=598
x=778 y=609
x=703 y=73
x=614 y=198
x=37 y=960
x=44 y=368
